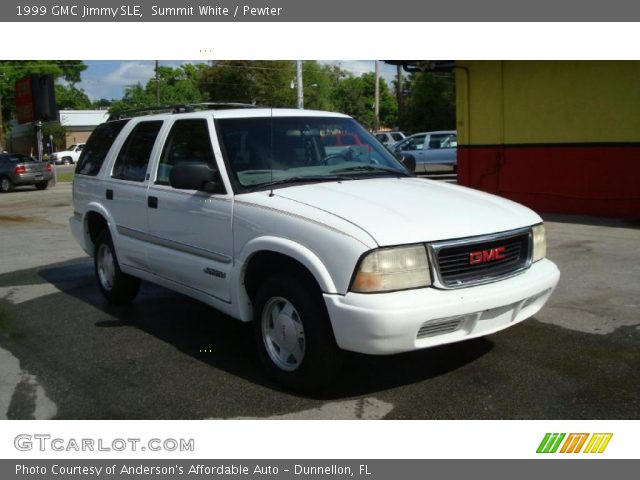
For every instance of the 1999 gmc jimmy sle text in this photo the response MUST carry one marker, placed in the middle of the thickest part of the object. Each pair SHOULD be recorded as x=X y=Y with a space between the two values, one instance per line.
x=326 y=249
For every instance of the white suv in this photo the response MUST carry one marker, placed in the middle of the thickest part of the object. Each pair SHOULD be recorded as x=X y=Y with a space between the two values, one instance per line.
x=245 y=210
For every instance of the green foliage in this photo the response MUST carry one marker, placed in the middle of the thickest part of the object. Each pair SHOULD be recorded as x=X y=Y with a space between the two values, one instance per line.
x=267 y=83
x=431 y=102
x=175 y=86
x=355 y=96
x=12 y=70
x=71 y=98
x=102 y=103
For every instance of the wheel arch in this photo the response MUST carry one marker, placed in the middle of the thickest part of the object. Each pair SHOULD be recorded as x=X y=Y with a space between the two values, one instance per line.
x=96 y=219
x=267 y=255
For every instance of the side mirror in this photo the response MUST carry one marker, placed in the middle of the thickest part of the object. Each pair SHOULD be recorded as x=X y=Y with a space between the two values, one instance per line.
x=409 y=163
x=193 y=176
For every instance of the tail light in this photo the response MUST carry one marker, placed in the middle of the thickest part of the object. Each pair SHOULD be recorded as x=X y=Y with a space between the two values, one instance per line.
x=20 y=169
x=47 y=167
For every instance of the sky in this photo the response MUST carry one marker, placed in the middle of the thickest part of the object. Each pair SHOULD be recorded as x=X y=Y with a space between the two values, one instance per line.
x=108 y=78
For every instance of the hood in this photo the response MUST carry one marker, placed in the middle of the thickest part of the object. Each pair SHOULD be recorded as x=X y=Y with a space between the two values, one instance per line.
x=396 y=211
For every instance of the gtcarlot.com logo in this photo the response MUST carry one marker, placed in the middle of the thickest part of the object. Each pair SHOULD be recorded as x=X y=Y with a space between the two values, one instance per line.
x=574 y=443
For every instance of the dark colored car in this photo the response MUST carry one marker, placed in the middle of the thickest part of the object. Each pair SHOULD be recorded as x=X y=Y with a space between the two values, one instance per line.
x=17 y=169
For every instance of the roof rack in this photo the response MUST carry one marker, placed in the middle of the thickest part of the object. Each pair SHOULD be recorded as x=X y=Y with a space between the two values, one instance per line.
x=181 y=108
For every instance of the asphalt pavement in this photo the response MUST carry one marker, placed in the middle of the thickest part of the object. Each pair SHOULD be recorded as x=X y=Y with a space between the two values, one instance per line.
x=66 y=353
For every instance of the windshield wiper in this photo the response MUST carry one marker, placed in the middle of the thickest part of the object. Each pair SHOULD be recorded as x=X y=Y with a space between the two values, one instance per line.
x=368 y=168
x=304 y=179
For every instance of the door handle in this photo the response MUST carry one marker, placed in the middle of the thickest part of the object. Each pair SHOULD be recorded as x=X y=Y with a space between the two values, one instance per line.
x=152 y=202
x=109 y=194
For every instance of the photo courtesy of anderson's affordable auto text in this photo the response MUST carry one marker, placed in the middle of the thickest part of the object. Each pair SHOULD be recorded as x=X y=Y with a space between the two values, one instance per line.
x=204 y=253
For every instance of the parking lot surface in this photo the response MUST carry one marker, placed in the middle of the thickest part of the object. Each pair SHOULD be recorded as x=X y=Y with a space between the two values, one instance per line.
x=65 y=353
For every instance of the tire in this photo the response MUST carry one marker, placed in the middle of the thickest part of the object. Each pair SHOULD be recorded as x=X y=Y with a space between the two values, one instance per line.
x=42 y=185
x=117 y=287
x=67 y=161
x=6 y=185
x=293 y=334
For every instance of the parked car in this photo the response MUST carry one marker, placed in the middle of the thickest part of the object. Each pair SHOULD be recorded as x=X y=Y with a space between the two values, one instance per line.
x=324 y=251
x=17 y=169
x=430 y=148
x=389 y=139
x=68 y=156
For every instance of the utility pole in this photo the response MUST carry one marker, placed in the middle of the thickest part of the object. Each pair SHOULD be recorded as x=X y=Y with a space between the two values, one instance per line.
x=1 y=125
x=400 y=93
x=300 y=102
x=377 y=98
x=157 y=83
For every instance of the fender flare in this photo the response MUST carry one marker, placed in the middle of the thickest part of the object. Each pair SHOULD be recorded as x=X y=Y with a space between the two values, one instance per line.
x=283 y=246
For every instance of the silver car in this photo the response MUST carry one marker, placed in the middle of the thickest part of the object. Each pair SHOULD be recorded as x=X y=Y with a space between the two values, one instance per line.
x=17 y=169
x=389 y=139
x=430 y=149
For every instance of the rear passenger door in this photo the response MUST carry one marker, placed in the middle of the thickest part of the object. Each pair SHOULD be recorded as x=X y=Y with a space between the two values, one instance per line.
x=126 y=192
x=190 y=231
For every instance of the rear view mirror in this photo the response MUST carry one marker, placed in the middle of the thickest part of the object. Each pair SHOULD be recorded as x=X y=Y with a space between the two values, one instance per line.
x=193 y=176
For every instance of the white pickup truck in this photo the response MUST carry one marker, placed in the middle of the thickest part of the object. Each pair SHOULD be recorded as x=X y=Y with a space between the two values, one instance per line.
x=68 y=156
x=245 y=210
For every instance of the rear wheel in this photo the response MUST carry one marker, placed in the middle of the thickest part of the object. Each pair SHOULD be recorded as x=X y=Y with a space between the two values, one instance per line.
x=117 y=287
x=6 y=185
x=42 y=185
x=293 y=334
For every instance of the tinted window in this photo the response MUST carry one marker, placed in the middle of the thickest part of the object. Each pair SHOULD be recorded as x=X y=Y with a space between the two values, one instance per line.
x=263 y=150
x=98 y=146
x=414 y=143
x=396 y=136
x=133 y=158
x=188 y=141
x=442 y=140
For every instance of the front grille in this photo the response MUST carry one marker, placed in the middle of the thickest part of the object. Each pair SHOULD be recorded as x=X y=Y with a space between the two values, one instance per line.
x=463 y=263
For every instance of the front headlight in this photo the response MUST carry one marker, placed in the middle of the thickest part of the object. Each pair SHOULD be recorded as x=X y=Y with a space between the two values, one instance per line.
x=539 y=242
x=396 y=268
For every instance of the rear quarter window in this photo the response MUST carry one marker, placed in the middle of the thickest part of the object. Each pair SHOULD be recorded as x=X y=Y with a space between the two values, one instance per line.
x=97 y=147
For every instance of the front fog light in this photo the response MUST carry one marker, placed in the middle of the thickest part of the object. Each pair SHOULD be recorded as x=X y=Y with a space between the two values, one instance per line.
x=388 y=269
x=539 y=242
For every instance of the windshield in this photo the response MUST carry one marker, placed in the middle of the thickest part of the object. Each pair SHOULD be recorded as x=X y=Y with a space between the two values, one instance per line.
x=266 y=151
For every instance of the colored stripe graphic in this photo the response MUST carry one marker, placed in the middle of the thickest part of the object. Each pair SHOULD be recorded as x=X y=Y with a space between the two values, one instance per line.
x=575 y=441
x=550 y=442
x=598 y=442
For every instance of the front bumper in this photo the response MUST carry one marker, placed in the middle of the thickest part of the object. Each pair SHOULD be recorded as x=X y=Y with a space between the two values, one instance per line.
x=388 y=323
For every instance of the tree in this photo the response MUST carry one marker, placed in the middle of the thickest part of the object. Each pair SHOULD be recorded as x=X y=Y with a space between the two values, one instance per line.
x=267 y=83
x=175 y=86
x=11 y=70
x=72 y=98
x=102 y=103
x=431 y=102
x=355 y=96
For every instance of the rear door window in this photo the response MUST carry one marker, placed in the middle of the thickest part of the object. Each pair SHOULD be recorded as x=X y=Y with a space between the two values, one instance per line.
x=134 y=155
x=98 y=146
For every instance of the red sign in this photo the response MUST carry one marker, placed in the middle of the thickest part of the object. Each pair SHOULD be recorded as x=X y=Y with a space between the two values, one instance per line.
x=24 y=100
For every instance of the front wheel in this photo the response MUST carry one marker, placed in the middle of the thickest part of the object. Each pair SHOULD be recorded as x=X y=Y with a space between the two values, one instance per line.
x=293 y=334
x=117 y=287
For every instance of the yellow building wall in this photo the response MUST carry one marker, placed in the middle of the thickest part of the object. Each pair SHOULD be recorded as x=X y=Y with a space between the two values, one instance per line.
x=533 y=102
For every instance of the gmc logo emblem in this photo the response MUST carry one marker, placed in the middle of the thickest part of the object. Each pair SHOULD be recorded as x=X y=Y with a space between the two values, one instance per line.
x=484 y=256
